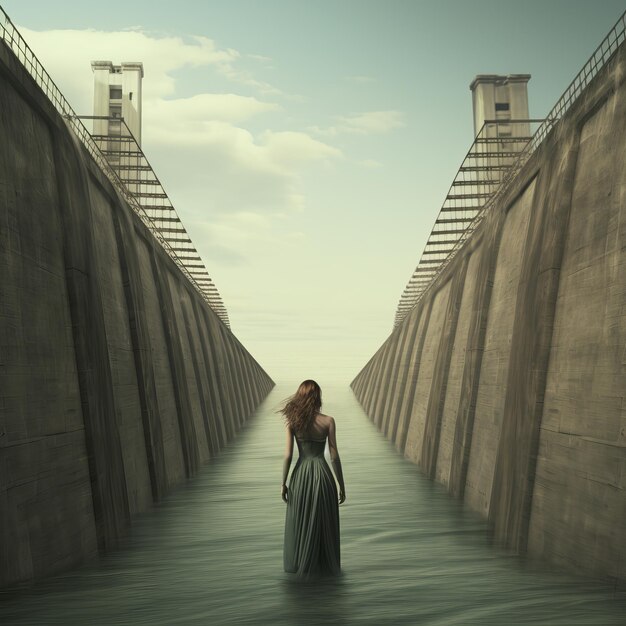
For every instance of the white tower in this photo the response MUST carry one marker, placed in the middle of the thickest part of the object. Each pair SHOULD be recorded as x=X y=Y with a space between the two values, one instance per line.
x=501 y=126
x=117 y=94
x=496 y=97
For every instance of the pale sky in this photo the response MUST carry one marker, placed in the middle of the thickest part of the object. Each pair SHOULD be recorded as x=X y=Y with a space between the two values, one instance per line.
x=308 y=146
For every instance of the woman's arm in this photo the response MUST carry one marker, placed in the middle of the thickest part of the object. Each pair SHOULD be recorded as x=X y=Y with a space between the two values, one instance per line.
x=287 y=462
x=335 y=460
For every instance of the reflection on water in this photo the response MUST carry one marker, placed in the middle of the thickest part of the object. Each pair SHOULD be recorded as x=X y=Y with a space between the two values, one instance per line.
x=211 y=553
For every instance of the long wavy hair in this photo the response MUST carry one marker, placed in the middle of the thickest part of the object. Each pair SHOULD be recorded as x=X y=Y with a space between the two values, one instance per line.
x=301 y=408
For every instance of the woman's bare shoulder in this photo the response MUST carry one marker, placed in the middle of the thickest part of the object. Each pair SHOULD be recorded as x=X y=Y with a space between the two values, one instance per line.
x=327 y=420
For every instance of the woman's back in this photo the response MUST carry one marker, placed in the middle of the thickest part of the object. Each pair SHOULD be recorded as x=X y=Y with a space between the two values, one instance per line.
x=311 y=544
x=317 y=431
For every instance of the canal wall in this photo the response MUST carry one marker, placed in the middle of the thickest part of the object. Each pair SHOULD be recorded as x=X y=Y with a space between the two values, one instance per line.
x=117 y=380
x=506 y=383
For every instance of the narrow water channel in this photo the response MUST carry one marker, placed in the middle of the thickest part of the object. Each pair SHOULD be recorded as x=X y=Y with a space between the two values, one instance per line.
x=211 y=553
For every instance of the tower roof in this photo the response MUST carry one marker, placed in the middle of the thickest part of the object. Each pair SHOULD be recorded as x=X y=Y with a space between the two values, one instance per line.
x=499 y=79
x=125 y=65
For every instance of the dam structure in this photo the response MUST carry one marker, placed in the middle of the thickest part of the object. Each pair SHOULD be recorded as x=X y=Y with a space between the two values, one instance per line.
x=504 y=377
x=119 y=374
x=140 y=447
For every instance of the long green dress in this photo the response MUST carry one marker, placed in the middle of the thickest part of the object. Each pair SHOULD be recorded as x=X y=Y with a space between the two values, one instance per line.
x=311 y=545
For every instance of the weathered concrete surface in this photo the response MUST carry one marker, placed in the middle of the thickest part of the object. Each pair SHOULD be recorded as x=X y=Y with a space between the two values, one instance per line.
x=417 y=415
x=455 y=371
x=581 y=468
x=401 y=374
x=401 y=425
x=510 y=390
x=116 y=379
x=436 y=399
x=496 y=353
x=398 y=368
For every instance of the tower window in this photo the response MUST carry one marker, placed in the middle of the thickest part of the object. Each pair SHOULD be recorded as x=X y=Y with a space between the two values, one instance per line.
x=130 y=95
x=502 y=106
x=115 y=93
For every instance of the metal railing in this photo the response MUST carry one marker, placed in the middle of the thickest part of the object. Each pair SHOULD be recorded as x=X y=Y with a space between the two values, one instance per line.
x=486 y=165
x=16 y=43
x=601 y=55
x=119 y=146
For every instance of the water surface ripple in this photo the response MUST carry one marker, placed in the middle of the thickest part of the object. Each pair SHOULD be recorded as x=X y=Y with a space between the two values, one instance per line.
x=211 y=552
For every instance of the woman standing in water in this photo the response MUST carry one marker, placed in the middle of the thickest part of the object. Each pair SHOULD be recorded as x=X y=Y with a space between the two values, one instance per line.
x=311 y=546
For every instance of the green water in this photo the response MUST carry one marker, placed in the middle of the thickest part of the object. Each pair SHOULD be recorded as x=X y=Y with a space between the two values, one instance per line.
x=211 y=553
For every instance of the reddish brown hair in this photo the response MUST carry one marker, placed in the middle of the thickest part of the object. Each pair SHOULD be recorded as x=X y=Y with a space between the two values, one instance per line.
x=301 y=408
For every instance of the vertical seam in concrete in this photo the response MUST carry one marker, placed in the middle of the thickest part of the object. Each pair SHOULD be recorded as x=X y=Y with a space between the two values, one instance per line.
x=362 y=377
x=229 y=366
x=383 y=393
x=142 y=352
x=177 y=368
x=223 y=372
x=106 y=467
x=510 y=504
x=245 y=373
x=406 y=421
x=474 y=348
x=208 y=353
x=377 y=389
x=399 y=393
x=208 y=432
x=437 y=396
x=372 y=376
x=242 y=392
x=393 y=377
x=359 y=381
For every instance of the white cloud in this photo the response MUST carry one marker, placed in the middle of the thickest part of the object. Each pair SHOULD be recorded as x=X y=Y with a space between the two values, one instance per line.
x=260 y=57
x=272 y=151
x=199 y=142
x=290 y=148
x=67 y=55
x=229 y=239
x=235 y=183
x=360 y=79
x=228 y=68
x=222 y=168
x=367 y=123
x=204 y=107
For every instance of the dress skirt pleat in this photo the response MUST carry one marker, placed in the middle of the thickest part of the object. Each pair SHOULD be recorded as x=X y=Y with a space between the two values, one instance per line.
x=311 y=545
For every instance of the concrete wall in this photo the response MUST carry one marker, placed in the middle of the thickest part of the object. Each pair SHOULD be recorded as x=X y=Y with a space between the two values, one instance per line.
x=117 y=381
x=509 y=383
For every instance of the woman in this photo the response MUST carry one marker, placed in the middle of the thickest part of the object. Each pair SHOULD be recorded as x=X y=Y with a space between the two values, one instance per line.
x=311 y=546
